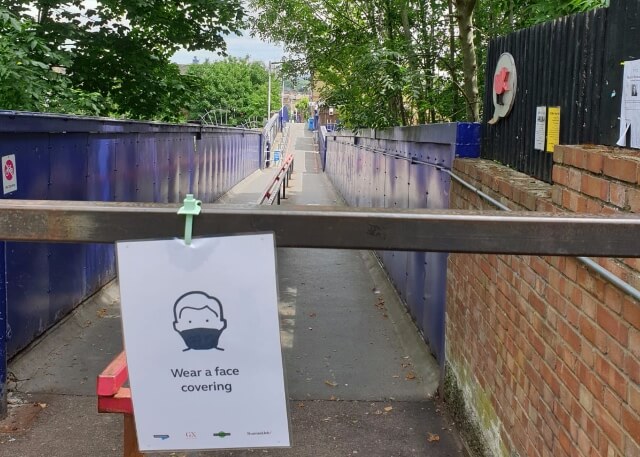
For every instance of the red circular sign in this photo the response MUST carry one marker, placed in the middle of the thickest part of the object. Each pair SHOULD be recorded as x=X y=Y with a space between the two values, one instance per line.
x=9 y=170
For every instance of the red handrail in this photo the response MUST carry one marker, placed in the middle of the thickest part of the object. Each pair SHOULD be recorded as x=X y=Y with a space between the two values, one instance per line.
x=282 y=177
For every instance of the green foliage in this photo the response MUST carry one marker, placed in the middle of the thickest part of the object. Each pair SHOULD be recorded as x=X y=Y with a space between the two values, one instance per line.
x=27 y=81
x=381 y=62
x=120 y=49
x=302 y=106
x=396 y=62
x=542 y=11
x=235 y=88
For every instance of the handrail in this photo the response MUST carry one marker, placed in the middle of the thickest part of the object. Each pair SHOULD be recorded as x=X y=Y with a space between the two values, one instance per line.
x=272 y=192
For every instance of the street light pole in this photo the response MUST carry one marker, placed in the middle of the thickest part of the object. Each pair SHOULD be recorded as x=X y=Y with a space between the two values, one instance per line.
x=269 y=89
x=269 y=94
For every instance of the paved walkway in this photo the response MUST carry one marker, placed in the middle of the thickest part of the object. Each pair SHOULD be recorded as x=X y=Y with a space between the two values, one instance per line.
x=358 y=375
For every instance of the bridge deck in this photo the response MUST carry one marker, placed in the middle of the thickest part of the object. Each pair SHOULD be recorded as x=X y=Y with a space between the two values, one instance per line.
x=359 y=376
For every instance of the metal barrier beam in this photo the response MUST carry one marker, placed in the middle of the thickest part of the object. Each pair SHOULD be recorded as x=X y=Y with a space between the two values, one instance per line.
x=342 y=228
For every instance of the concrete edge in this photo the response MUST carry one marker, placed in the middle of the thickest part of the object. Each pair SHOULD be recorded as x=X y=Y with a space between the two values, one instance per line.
x=410 y=337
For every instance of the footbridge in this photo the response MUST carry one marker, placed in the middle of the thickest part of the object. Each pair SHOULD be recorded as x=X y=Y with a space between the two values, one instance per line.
x=416 y=315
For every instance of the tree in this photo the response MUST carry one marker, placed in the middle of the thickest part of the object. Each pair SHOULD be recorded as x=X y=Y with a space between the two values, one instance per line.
x=121 y=48
x=302 y=106
x=237 y=87
x=382 y=62
x=464 y=15
x=398 y=62
x=27 y=77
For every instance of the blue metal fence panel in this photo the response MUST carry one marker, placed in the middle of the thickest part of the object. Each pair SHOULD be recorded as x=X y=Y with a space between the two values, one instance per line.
x=68 y=165
x=4 y=327
x=126 y=170
x=383 y=169
x=73 y=158
x=418 y=197
x=101 y=186
x=322 y=145
x=396 y=197
x=27 y=264
x=163 y=171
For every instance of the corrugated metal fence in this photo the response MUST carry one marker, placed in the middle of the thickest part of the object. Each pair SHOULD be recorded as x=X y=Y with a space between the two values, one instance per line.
x=573 y=63
x=71 y=158
x=398 y=168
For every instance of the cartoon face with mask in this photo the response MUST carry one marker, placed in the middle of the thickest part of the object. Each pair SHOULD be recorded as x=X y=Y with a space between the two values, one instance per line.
x=198 y=318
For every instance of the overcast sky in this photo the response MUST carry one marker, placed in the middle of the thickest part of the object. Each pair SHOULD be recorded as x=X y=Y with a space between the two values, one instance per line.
x=237 y=46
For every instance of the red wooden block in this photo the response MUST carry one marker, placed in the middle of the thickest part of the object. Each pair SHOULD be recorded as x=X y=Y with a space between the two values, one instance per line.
x=113 y=377
x=119 y=403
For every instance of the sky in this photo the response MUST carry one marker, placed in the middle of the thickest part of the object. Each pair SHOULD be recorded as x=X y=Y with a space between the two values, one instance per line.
x=237 y=46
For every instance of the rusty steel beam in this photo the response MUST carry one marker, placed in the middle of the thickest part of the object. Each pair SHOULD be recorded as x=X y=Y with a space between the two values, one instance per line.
x=331 y=227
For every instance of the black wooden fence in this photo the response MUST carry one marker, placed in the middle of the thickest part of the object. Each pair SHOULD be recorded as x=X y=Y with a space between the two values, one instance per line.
x=573 y=63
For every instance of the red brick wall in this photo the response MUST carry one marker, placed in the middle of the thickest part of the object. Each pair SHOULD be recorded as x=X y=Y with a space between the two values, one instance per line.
x=547 y=353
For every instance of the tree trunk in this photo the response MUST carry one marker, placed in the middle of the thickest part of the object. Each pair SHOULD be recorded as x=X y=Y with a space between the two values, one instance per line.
x=464 y=10
x=452 y=60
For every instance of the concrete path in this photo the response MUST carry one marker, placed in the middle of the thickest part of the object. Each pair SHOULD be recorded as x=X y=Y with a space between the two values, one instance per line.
x=359 y=377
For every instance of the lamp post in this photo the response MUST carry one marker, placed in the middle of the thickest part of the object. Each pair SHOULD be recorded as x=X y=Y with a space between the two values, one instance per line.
x=269 y=90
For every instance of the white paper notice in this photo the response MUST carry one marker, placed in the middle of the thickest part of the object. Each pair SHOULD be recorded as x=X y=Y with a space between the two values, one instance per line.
x=541 y=124
x=202 y=338
x=630 y=107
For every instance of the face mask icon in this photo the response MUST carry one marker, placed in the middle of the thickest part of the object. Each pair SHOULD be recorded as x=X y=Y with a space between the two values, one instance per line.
x=198 y=318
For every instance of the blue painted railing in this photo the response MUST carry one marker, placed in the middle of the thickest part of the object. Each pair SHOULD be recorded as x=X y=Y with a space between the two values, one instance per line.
x=399 y=168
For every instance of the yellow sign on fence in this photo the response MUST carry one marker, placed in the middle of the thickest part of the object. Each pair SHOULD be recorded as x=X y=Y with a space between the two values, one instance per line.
x=553 y=128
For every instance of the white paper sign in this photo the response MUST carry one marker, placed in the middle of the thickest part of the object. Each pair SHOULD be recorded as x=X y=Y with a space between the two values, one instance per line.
x=9 y=178
x=541 y=123
x=630 y=107
x=202 y=337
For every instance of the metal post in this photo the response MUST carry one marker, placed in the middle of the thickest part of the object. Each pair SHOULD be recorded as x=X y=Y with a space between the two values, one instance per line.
x=269 y=94
x=284 y=187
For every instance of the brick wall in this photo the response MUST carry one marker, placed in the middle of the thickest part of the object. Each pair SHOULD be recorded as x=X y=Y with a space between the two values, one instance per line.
x=547 y=353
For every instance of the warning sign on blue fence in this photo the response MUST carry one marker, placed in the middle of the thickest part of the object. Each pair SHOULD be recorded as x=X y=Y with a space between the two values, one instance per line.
x=202 y=339
x=9 y=174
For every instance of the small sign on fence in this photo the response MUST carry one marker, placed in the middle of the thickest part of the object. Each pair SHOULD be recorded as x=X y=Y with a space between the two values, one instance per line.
x=541 y=124
x=276 y=155
x=202 y=339
x=553 y=128
x=630 y=105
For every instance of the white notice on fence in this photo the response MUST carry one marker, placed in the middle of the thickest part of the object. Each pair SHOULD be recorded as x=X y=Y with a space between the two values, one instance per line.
x=541 y=124
x=630 y=107
x=202 y=337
